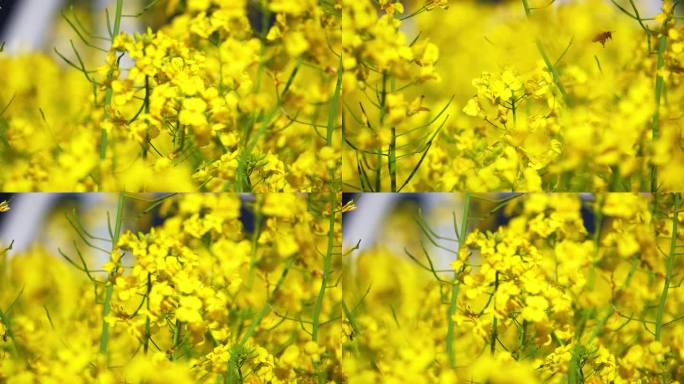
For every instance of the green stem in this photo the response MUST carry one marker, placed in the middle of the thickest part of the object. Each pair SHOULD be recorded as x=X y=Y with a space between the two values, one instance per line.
x=513 y=109
x=104 y=337
x=327 y=261
x=454 y=288
x=146 y=108
x=554 y=72
x=234 y=374
x=526 y=5
x=108 y=93
x=523 y=338
x=8 y=330
x=176 y=339
x=148 y=331
x=392 y=162
x=334 y=104
x=492 y=342
x=668 y=270
x=451 y=324
x=392 y=158
x=247 y=143
x=660 y=84
x=242 y=182
x=378 y=168
x=378 y=157
x=109 y=288
x=117 y=17
x=549 y=65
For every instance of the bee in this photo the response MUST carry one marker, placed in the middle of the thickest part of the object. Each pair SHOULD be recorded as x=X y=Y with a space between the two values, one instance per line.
x=603 y=37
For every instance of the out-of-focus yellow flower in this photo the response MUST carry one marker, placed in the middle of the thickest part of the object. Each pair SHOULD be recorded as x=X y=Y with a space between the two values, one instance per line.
x=296 y=44
x=193 y=112
x=535 y=310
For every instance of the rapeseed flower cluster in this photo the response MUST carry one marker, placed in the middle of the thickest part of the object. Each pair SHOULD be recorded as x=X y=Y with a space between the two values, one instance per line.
x=550 y=296
x=198 y=298
x=224 y=96
x=517 y=96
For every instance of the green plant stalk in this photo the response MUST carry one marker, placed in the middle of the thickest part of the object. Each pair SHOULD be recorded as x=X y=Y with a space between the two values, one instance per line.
x=660 y=84
x=148 y=331
x=108 y=93
x=234 y=375
x=574 y=372
x=378 y=157
x=146 y=108
x=334 y=104
x=247 y=131
x=451 y=324
x=526 y=6
x=176 y=339
x=513 y=109
x=104 y=337
x=454 y=288
x=246 y=137
x=5 y=321
x=615 y=179
x=392 y=155
x=549 y=65
x=103 y=139
x=554 y=72
x=253 y=326
x=117 y=17
x=668 y=270
x=378 y=162
x=575 y=369
x=492 y=342
x=392 y=161
x=241 y=173
x=523 y=338
x=422 y=157
x=109 y=288
x=327 y=263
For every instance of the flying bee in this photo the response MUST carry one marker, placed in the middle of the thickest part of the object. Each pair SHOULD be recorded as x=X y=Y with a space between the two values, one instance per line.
x=603 y=37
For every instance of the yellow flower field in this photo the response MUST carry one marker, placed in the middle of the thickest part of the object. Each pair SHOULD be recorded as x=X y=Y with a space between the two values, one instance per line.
x=342 y=191
x=512 y=96
x=566 y=290
x=200 y=298
x=222 y=96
